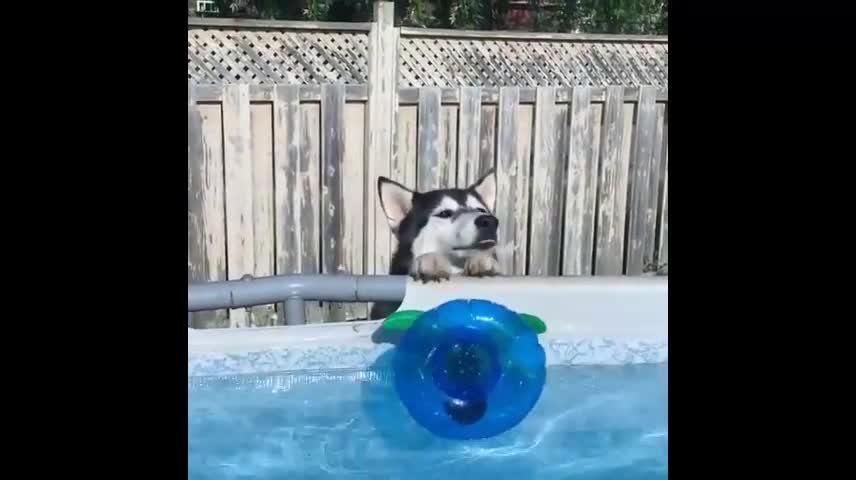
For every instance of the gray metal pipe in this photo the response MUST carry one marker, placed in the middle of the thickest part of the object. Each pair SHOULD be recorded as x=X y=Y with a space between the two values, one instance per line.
x=275 y=289
x=295 y=311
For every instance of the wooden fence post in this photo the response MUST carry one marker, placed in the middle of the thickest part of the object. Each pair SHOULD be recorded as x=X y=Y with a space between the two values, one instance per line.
x=380 y=131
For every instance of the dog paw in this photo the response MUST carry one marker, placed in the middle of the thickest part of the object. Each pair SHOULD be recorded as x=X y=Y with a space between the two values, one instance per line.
x=482 y=265
x=431 y=267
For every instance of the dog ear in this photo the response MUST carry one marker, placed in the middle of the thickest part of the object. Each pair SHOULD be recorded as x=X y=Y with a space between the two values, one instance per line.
x=396 y=200
x=486 y=188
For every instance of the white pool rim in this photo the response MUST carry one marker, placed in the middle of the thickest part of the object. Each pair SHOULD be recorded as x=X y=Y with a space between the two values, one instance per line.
x=590 y=320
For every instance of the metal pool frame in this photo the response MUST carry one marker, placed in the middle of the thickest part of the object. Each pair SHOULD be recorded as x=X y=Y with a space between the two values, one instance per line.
x=294 y=290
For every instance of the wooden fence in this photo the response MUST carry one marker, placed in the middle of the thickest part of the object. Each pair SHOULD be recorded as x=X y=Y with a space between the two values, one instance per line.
x=277 y=179
x=289 y=129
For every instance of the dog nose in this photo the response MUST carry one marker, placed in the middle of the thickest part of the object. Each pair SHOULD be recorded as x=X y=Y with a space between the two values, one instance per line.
x=487 y=221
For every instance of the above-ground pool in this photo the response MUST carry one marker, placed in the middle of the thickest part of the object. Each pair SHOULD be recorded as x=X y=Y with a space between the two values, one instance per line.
x=318 y=401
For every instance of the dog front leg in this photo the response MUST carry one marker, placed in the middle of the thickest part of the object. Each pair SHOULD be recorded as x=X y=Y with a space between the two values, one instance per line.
x=483 y=264
x=431 y=267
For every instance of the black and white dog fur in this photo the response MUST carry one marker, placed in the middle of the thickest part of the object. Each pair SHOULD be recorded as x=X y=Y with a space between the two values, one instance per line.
x=440 y=232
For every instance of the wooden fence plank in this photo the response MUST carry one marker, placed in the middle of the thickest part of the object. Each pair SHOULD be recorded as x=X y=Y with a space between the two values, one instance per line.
x=655 y=183
x=469 y=128
x=428 y=167
x=197 y=268
x=596 y=136
x=298 y=166
x=582 y=188
x=612 y=188
x=596 y=123
x=547 y=169
x=447 y=158
x=487 y=140
x=512 y=171
x=310 y=163
x=403 y=168
x=560 y=180
x=381 y=114
x=404 y=165
x=342 y=201
x=379 y=239
x=261 y=131
x=626 y=155
x=353 y=206
x=192 y=95
x=332 y=158
x=525 y=140
x=642 y=210
x=294 y=214
x=206 y=225
x=662 y=149
x=660 y=139
x=239 y=182
x=663 y=240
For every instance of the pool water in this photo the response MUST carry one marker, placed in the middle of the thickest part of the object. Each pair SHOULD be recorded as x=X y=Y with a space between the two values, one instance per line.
x=591 y=422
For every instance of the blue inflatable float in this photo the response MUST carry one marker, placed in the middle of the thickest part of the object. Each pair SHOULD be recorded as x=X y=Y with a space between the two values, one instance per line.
x=468 y=369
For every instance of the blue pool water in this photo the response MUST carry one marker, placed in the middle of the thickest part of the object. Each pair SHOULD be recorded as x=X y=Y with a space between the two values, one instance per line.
x=603 y=422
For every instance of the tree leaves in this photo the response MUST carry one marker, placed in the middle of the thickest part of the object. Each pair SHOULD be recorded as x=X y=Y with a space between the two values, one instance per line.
x=576 y=16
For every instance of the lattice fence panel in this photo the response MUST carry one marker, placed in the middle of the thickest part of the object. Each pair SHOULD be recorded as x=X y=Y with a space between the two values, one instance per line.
x=449 y=62
x=216 y=56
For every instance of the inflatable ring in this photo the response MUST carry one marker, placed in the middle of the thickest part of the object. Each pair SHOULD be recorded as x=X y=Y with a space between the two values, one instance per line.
x=468 y=369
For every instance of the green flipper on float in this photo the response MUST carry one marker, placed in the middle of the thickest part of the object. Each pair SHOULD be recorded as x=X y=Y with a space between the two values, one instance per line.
x=534 y=323
x=401 y=321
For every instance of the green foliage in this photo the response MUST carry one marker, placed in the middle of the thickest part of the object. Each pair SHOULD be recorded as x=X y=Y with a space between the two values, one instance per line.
x=643 y=17
x=466 y=14
x=417 y=13
x=584 y=16
x=460 y=14
x=316 y=10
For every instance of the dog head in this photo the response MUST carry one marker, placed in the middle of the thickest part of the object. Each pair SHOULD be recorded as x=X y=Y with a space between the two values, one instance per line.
x=457 y=222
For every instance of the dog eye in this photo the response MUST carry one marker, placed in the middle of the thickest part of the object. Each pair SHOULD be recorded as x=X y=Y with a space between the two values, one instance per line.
x=482 y=210
x=444 y=214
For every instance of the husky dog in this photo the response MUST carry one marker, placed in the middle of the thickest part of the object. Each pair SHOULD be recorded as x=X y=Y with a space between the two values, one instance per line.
x=440 y=232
